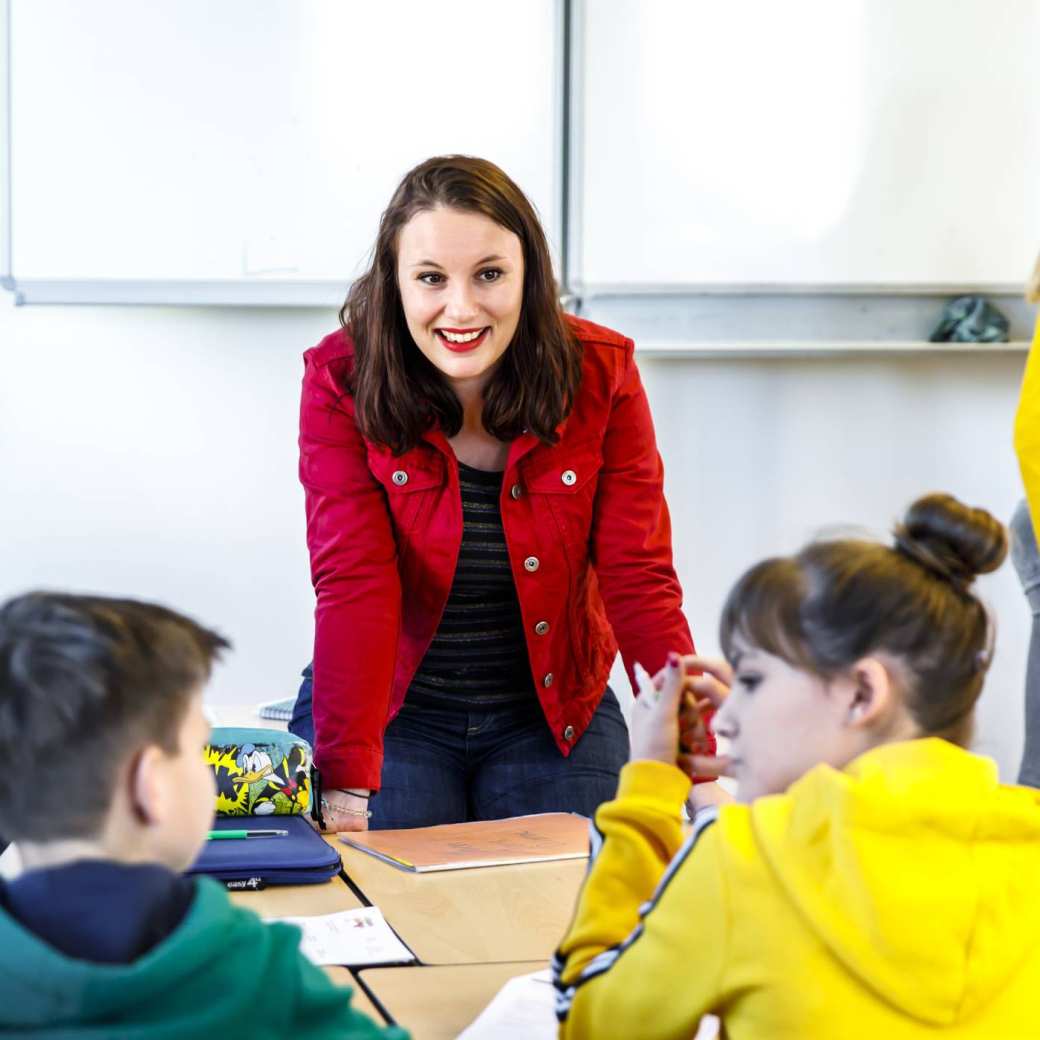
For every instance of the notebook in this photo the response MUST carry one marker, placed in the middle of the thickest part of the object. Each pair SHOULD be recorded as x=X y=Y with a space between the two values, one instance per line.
x=302 y=857
x=352 y=938
x=281 y=710
x=484 y=843
x=525 y=1009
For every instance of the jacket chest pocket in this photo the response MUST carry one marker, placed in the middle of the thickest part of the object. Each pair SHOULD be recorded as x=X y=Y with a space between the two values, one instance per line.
x=409 y=483
x=565 y=479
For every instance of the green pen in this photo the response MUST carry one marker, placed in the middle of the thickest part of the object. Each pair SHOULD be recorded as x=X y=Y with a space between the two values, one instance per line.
x=225 y=835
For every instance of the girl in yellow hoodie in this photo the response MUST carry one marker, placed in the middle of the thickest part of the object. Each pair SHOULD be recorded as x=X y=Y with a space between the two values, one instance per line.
x=1027 y=418
x=1024 y=524
x=874 y=879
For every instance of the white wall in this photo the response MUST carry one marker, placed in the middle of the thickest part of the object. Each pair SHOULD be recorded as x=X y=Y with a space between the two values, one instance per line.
x=151 y=452
x=760 y=456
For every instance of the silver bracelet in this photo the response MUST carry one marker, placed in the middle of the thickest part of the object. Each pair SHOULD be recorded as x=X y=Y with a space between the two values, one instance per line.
x=332 y=807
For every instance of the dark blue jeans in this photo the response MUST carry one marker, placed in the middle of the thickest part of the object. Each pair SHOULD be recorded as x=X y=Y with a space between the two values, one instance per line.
x=448 y=766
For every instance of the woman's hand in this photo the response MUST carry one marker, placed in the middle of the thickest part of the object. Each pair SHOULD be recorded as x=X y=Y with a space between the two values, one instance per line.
x=345 y=810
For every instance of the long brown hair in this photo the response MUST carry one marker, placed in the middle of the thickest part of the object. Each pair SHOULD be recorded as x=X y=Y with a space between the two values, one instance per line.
x=398 y=394
x=838 y=601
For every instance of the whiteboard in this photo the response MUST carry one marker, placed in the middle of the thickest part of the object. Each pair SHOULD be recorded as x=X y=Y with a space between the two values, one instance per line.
x=811 y=142
x=254 y=143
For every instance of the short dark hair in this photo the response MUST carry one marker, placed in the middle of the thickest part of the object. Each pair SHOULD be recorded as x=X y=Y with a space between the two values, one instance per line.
x=398 y=393
x=85 y=681
x=837 y=601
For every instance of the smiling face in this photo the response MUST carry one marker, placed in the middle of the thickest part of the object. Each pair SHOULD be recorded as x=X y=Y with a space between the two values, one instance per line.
x=461 y=279
x=782 y=721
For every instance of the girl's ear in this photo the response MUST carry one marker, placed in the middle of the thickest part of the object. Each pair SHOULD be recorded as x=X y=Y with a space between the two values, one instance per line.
x=873 y=697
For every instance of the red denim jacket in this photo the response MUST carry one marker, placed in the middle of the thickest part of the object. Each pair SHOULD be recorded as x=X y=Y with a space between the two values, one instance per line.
x=585 y=522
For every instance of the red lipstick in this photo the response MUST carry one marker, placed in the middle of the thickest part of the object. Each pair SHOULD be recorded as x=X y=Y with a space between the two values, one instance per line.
x=462 y=348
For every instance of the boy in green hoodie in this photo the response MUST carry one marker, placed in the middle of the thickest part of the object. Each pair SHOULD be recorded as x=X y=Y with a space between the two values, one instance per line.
x=104 y=788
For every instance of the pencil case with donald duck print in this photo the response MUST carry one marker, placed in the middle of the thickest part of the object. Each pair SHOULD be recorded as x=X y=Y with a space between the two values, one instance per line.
x=260 y=772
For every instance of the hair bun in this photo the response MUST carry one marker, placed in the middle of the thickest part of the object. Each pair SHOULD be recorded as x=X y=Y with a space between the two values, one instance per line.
x=954 y=541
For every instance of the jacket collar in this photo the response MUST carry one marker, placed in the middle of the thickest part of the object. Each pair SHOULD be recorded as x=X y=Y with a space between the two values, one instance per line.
x=523 y=445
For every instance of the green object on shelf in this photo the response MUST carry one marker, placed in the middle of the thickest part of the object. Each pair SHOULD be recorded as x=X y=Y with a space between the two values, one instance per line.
x=971 y=319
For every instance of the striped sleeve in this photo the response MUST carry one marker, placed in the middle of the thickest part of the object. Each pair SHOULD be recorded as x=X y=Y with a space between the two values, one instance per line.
x=621 y=964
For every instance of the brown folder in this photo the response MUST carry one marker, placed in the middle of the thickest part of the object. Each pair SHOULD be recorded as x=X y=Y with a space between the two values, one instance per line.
x=485 y=843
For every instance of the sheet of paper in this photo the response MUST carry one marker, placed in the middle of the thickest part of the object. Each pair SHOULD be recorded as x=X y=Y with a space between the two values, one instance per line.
x=525 y=1009
x=709 y=1029
x=10 y=863
x=351 y=938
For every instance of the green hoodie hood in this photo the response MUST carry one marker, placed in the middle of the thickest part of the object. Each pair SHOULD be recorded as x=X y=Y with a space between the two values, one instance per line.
x=222 y=972
x=916 y=869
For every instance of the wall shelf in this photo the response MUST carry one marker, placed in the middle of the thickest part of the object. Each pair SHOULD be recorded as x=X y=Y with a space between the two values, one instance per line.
x=824 y=349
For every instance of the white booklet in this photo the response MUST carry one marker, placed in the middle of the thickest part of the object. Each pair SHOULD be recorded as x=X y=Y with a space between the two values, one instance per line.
x=525 y=1009
x=351 y=938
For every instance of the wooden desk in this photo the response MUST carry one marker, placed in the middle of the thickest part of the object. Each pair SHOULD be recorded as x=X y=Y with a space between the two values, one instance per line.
x=329 y=897
x=514 y=913
x=360 y=1001
x=473 y=929
x=437 y=1003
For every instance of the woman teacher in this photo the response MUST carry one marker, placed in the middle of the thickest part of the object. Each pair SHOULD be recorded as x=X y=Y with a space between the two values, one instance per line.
x=485 y=519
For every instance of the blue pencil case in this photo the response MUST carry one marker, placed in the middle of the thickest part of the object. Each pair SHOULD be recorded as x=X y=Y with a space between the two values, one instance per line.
x=302 y=857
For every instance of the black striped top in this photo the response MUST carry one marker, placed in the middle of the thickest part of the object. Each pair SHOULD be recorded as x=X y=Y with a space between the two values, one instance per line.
x=478 y=656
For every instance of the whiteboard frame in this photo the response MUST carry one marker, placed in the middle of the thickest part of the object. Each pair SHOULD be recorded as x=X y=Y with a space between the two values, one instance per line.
x=561 y=137
x=598 y=290
x=806 y=349
x=5 y=146
x=571 y=98
x=180 y=293
x=572 y=130
x=266 y=292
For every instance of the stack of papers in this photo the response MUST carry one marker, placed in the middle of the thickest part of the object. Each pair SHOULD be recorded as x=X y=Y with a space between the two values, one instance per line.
x=351 y=938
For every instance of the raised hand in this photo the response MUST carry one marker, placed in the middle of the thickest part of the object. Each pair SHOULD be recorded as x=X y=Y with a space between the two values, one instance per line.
x=655 y=732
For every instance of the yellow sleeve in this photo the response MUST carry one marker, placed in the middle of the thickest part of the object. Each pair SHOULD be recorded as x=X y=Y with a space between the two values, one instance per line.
x=644 y=954
x=1027 y=430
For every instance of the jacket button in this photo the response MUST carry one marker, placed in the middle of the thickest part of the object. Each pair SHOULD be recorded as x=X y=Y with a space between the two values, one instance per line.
x=532 y=564
x=400 y=478
x=568 y=734
x=541 y=628
x=515 y=491
x=569 y=477
x=547 y=681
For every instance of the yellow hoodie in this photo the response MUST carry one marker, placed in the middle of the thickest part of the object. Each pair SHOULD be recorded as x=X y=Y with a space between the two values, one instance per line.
x=1027 y=430
x=897 y=898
